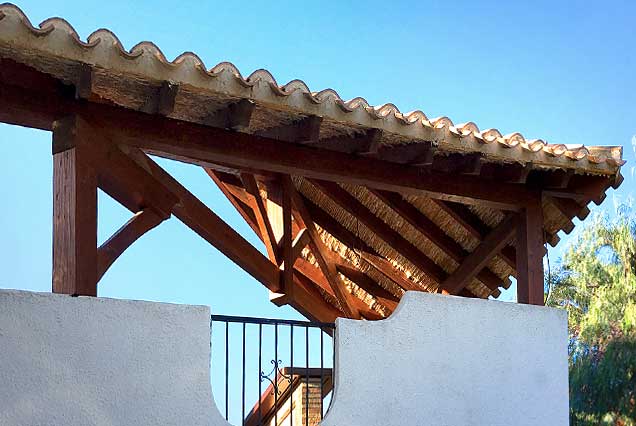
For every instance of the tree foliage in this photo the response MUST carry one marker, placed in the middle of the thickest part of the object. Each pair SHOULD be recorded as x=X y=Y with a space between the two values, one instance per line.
x=596 y=284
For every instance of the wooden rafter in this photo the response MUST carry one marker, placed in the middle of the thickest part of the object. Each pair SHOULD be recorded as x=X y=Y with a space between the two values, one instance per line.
x=345 y=298
x=260 y=212
x=316 y=278
x=352 y=205
x=430 y=230
x=482 y=255
x=472 y=224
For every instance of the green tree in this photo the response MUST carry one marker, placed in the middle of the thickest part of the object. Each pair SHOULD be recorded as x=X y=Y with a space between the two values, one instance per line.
x=596 y=284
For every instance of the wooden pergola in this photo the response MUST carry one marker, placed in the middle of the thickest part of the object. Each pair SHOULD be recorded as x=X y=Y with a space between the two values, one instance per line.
x=354 y=204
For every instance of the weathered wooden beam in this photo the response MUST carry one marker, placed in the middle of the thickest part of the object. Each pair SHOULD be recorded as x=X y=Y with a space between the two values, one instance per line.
x=512 y=173
x=364 y=143
x=236 y=116
x=74 y=210
x=304 y=130
x=320 y=252
x=467 y=164
x=416 y=154
x=207 y=146
x=197 y=216
x=84 y=83
x=430 y=230
x=130 y=232
x=482 y=255
x=530 y=255
x=163 y=101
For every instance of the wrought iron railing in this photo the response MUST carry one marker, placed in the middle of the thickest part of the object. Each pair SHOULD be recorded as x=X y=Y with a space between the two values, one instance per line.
x=284 y=366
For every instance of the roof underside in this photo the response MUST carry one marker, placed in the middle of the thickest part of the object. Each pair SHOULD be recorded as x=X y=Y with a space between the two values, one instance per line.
x=422 y=239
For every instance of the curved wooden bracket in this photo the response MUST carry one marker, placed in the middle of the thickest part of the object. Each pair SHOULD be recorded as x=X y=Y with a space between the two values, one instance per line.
x=125 y=236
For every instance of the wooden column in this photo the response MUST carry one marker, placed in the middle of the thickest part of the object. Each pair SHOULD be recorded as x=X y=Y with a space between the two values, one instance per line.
x=530 y=254
x=74 y=211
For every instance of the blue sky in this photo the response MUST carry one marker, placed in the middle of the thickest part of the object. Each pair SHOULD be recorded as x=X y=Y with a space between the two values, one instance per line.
x=563 y=73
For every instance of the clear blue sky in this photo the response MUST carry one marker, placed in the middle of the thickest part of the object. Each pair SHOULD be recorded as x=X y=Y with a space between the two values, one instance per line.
x=563 y=73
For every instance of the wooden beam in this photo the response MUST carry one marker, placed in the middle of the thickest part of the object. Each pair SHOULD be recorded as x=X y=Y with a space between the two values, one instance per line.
x=112 y=248
x=569 y=208
x=235 y=116
x=290 y=249
x=304 y=130
x=74 y=210
x=468 y=164
x=207 y=146
x=320 y=252
x=430 y=230
x=482 y=255
x=319 y=280
x=364 y=143
x=84 y=84
x=163 y=101
x=475 y=227
x=366 y=252
x=197 y=216
x=416 y=154
x=262 y=219
x=308 y=301
x=383 y=296
x=530 y=255
x=393 y=238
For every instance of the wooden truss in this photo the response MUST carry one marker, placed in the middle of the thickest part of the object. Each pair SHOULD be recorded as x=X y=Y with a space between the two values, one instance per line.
x=257 y=173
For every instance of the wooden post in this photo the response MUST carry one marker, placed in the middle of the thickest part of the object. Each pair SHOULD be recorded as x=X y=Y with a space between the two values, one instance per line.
x=530 y=254
x=74 y=211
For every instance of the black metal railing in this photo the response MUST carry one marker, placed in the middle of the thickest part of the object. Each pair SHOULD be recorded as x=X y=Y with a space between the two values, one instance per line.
x=244 y=350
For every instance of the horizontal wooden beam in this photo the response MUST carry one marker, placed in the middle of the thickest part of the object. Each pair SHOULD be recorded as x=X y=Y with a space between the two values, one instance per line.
x=207 y=146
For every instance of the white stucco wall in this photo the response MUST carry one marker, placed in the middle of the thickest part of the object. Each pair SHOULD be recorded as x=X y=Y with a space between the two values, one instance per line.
x=437 y=361
x=450 y=361
x=77 y=361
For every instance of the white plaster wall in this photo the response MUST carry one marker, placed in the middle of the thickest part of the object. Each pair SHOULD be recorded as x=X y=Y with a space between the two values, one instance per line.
x=437 y=360
x=441 y=360
x=77 y=361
